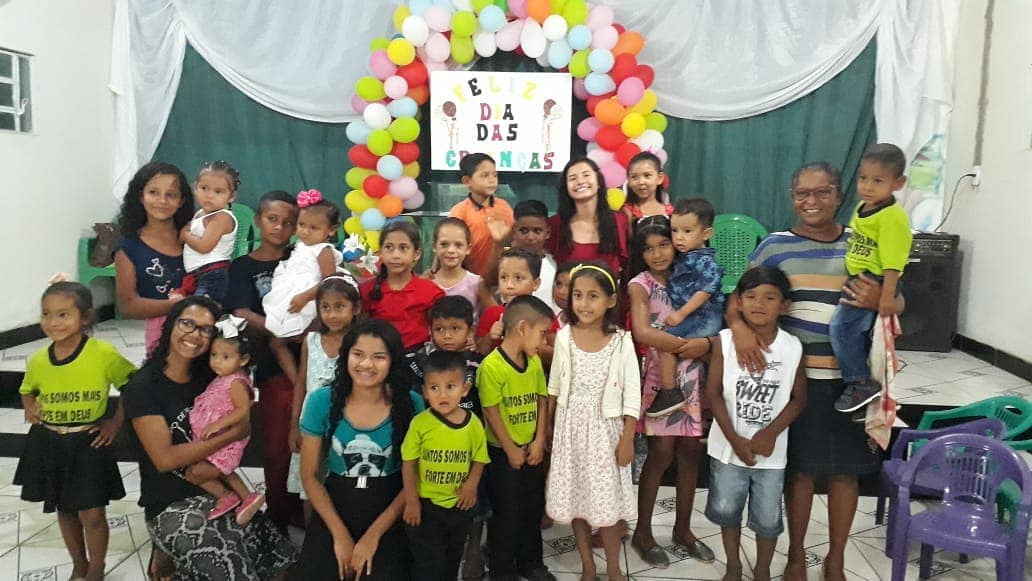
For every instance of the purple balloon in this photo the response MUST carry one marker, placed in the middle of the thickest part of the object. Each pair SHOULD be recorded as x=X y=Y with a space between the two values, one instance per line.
x=630 y=91
x=614 y=174
x=358 y=104
x=413 y=202
x=587 y=128
x=579 y=90
x=403 y=187
x=601 y=156
x=662 y=155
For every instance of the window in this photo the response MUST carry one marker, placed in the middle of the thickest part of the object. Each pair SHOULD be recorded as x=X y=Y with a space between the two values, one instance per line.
x=15 y=107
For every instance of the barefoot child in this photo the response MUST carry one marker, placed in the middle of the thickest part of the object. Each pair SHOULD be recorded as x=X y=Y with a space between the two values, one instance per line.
x=748 y=439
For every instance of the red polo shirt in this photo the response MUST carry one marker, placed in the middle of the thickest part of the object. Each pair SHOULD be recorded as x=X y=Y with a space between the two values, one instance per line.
x=405 y=308
x=492 y=315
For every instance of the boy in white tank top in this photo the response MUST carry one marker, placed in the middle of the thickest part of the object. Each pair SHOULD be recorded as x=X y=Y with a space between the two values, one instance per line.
x=209 y=239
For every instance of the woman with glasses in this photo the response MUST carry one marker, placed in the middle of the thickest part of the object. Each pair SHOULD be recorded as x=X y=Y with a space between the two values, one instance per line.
x=822 y=442
x=158 y=402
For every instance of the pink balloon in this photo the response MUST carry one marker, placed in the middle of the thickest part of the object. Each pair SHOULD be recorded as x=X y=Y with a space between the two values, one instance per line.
x=599 y=17
x=403 y=187
x=414 y=202
x=630 y=91
x=518 y=8
x=435 y=66
x=380 y=65
x=601 y=156
x=395 y=87
x=579 y=90
x=662 y=155
x=605 y=38
x=508 y=38
x=614 y=174
x=437 y=18
x=587 y=128
x=358 y=104
x=437 y=47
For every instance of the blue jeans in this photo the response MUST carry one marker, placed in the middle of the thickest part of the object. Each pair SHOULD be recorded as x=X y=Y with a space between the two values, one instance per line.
x=730 y=487
x=849 y=331
x=213 y=283
x=705 y=322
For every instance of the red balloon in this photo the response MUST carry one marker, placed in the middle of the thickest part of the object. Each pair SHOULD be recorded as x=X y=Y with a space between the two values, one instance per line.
x=625 y=65
x=619 y=28
x=414 y=73
x=419 y=94
x=624 y=153
x=610 y=138
x=360 y=156
x=647 y=74
x=405 y=152
x=666 y=181
x=375 y=186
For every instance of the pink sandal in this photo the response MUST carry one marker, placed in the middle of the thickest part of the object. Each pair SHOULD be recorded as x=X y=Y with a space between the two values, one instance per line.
x=224 y=504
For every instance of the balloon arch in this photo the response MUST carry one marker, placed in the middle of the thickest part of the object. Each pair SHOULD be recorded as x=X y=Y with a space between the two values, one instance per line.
x=565 y=35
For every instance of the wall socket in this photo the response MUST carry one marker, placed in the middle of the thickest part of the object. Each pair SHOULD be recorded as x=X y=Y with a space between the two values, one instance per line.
x=976 y=176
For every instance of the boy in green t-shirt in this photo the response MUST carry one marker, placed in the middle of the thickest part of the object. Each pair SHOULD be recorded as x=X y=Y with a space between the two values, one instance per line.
x=879 y=247
x=443 y=454
x=513 y=395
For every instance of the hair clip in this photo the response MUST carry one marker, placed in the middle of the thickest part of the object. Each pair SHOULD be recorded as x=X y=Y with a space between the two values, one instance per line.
x=307 y=198
x=230 y=326
x=582 y=266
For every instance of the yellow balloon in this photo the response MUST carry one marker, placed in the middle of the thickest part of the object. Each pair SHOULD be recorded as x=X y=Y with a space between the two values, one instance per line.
x=358 y=201
x=353 y=225
x=411 y=170
x=633 y=125
x=400 y=14
x=401 y=52
x=646 y=105
x=615 y=197
x=372 y=240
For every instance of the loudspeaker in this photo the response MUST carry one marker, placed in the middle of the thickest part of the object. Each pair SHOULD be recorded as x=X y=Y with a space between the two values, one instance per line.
x=931 y=286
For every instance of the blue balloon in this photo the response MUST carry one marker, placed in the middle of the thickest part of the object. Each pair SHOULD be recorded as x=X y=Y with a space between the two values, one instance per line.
x=600 y=60
x=559 y=54
x=418 y=7
x=389 y=167
x=372 y=219
x=579 y=37
x=598 y=84
x=358 y=132
x=446 y=4
x=492 y=18
x=403 y=107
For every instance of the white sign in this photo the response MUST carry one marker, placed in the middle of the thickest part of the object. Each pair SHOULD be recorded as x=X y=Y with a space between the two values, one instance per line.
x=522 y=120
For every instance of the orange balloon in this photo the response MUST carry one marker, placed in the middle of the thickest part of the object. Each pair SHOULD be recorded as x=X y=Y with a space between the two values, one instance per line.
x=539 y=9
x=419 y=94
x=390 y=205
x=610 y=112
x=629 y=42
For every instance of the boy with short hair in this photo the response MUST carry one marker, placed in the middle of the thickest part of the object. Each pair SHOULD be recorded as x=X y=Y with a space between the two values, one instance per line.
x=748 y=440
x=489 y=217
x=519 y=274
x=250 y=278
x=879 y=246
x=513 y=393
x=444 y=453
x=530 y=231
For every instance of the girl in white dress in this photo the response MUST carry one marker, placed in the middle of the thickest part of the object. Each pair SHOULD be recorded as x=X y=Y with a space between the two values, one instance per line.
x=594 y=397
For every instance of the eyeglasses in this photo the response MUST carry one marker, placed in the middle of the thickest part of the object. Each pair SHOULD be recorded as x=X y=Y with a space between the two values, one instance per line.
x=823 y=194
x=189 y=326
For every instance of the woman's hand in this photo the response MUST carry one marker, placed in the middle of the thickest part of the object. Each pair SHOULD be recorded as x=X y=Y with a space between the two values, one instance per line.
x=344 y=550
x=106 y=431
x=693 y=348
x=294 y=439
x=862 y=292
x=362 y=555
x=750 y=348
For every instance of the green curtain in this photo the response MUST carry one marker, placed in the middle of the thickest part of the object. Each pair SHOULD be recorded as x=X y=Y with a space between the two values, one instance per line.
x=742 y=166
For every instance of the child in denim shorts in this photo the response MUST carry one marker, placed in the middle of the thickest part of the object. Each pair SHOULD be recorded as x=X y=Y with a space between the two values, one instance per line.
x=752 y=411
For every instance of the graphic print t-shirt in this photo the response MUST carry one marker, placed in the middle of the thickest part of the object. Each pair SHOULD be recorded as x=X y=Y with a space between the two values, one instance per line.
x=754 y=399
x=445 y=452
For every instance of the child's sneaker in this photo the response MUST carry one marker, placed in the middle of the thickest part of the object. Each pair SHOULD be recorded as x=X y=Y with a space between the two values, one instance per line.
x=668 y=401
x=857 y=395
x=224 y=504
x=249 y=507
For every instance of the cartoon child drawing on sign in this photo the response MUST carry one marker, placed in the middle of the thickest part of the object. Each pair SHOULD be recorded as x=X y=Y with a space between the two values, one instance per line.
x=553 y=113
x=447 y=113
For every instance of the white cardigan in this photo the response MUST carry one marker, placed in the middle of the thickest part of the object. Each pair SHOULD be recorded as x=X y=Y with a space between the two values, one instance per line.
x=622 y=395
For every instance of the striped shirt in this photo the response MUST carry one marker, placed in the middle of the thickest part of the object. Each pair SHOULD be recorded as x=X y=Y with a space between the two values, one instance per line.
x=816 y=270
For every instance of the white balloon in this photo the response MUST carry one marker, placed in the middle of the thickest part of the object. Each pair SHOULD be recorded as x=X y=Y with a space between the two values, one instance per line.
x=437 y=47
x=376 y=116
x=463 y=4
x=484 y=43
x=532 y=39
x=415 y=30
x=554 y=27
x=543 y=59
x=650 y=140
x=508 y=38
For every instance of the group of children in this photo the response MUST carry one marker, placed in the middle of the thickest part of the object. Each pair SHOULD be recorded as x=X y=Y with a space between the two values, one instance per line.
x=532 y=385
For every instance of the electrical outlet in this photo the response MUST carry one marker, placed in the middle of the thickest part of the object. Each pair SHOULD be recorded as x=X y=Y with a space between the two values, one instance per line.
x=976 y=178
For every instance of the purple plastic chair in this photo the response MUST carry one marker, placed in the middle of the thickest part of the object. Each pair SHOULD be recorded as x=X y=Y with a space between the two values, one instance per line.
x=973 y=468
x=929 y=483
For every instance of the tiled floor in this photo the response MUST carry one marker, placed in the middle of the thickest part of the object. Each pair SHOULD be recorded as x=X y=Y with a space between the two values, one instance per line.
x=31 y=548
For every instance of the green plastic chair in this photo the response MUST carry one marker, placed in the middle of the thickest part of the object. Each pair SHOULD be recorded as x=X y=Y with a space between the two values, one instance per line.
x=1015 y=412
x=88 y=272
x=734 y=238
x=247 y=234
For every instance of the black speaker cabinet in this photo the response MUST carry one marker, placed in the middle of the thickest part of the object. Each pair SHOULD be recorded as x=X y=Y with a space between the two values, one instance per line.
x=931 y=285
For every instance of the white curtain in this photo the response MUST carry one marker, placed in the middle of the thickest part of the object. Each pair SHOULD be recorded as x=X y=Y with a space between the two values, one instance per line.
x=714 y=59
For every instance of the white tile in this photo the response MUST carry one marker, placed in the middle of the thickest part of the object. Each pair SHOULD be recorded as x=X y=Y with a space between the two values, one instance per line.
x=570 y=563
x=131 y=568
x=9 y=565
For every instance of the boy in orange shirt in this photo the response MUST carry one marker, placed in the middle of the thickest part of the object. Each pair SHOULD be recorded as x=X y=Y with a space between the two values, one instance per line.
x=489 y=218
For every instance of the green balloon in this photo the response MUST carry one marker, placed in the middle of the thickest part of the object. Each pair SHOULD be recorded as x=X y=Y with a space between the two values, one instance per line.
x=379 y=44
x=461 y=49
x=356 y=177
x=656 y=121
x=578 y=64
x=380 y=142
x=463 y=23
x=575 y=12
x=479 y=5
x=370 y=88
x=503 y=4
x=403 y=130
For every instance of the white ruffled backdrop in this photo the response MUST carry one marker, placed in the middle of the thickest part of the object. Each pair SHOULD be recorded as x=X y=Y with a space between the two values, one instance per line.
x=714 y=60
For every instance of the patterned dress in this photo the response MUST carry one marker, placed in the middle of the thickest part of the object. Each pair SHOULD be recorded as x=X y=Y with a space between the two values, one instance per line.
x=690 y=375
x=213 y=405
x=584 y=480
